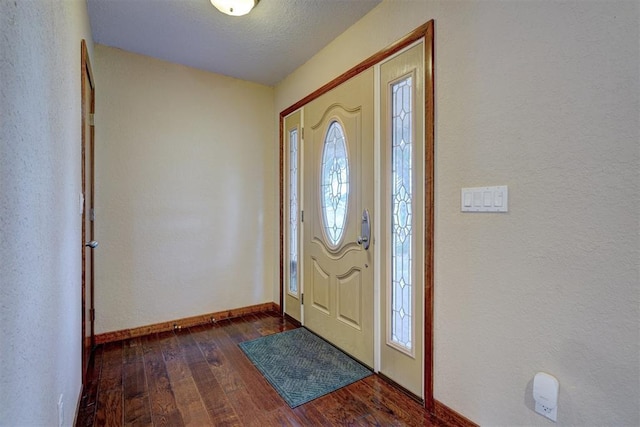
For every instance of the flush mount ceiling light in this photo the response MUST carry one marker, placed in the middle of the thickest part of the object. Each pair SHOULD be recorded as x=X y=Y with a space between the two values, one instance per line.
x=235 y=7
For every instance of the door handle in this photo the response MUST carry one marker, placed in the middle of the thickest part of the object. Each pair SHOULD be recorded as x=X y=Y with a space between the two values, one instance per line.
x=92 y=244
x=365 y=230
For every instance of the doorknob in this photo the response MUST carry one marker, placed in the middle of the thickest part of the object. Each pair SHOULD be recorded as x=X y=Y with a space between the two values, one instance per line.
x=92 y=244
x=365 y=231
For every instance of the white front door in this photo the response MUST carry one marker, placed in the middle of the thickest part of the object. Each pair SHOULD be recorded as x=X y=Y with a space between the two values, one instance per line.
x=349 y=167
x=338 y=194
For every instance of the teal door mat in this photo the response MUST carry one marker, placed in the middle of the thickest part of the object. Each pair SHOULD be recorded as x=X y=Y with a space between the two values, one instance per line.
x=302 y=366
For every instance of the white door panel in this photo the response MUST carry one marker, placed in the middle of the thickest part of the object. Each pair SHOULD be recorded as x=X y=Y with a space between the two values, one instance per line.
x=338 y=275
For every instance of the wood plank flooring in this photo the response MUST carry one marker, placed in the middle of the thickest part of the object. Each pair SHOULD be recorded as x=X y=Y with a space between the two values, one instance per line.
x=199 y=377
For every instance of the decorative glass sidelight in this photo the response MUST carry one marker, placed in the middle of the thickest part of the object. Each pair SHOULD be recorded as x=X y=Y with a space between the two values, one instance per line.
x=293 y=211
x=334 y=183
x=402 y=214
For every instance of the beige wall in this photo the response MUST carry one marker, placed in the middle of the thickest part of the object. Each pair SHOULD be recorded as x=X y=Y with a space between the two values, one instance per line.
x=186 y=218
x=543 y=97
x=40 y=221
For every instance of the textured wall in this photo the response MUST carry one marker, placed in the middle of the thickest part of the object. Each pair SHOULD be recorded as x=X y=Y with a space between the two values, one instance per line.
x=542 y=97
x=40 y=222
x=186 y=217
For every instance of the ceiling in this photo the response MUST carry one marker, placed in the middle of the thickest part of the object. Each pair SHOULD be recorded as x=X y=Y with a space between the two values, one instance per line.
x=264 y=46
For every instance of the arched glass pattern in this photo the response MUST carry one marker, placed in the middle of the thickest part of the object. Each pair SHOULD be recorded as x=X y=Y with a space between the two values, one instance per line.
x=334 y=182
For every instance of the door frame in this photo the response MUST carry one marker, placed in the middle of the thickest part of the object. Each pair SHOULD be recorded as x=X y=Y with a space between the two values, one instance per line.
x=425 y=32
x=87 y=142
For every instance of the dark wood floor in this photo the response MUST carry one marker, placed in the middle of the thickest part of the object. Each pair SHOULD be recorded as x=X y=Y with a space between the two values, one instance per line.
x=200 y=377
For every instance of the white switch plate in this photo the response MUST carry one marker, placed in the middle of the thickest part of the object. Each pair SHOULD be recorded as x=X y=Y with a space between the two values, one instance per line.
x=485 y=199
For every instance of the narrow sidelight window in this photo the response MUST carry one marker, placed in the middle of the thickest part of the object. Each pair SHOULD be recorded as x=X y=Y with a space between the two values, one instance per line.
x=402 y=214
x=293 y=212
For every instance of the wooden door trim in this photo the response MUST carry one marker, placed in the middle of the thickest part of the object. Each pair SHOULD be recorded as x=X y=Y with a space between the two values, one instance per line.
x=417 y=34
x=429 y=213
x=85 y=67
x=426 y=32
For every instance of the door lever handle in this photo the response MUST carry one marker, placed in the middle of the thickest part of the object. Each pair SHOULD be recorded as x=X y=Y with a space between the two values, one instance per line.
x=365 y=230
x=92 y=244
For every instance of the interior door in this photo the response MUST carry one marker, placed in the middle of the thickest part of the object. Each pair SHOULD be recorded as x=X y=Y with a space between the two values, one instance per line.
x=339 y=187
x=88 y=243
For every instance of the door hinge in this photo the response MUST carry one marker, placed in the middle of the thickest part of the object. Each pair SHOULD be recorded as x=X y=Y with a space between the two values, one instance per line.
x=301 y=299
x=301 y=216
x=302 y=133
x=92 y=314
x=92 y=214
x=92 y=119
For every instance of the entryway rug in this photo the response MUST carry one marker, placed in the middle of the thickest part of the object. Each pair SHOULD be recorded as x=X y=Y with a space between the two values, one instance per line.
x=302 y=366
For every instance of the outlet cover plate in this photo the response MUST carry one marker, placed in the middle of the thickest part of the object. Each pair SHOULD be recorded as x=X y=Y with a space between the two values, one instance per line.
x=552 y=414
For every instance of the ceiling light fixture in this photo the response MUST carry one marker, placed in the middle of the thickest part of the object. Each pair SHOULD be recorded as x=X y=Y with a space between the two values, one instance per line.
x=235 y=7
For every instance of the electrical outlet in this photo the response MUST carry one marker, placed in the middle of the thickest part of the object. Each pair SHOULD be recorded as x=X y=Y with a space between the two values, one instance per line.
x=545 y=394
x=551 y=413
x=61 y=410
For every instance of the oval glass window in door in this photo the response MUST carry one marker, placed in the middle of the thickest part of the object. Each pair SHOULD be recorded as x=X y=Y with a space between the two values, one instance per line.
x=334 y=182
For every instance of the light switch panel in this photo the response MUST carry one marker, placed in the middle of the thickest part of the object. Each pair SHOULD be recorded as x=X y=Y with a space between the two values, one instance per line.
x=466 y=199
x=485 y=199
